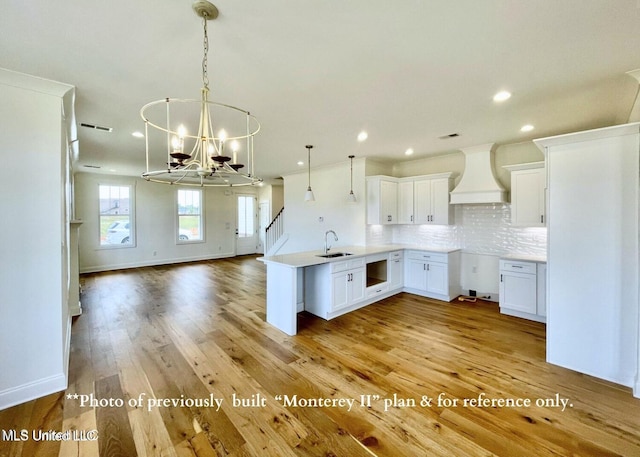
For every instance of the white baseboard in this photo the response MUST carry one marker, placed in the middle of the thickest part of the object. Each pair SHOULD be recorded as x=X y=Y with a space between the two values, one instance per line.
x=32 y=390
x=147 y=263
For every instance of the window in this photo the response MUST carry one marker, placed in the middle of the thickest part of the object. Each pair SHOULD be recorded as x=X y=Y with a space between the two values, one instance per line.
x=116 y=225
x=246 y=216
x=189 y=215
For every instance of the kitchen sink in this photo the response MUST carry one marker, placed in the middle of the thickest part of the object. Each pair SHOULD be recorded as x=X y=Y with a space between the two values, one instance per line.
x=334 y=254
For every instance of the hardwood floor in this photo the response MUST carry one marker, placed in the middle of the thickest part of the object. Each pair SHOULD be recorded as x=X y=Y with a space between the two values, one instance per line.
x=189 y=333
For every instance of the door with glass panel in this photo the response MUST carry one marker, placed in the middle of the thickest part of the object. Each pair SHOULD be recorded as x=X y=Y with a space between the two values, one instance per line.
x=247 y=225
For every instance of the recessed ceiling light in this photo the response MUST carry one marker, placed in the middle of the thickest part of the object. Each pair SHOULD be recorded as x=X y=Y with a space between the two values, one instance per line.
x=301 y=163
x=526 y=128
x=138 y=134
x=362 y=136
x=502 y=96
x=408 y=152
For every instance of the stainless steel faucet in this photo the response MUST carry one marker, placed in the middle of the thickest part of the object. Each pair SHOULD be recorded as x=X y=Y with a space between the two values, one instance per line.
x=326 y=245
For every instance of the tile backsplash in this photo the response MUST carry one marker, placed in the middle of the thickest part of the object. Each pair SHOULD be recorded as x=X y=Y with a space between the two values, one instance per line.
x=479 y=229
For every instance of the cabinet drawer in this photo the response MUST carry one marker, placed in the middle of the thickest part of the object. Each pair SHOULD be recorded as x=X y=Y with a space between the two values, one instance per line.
x=428 y=256
x=344 y=265
x=395 y=255
x=377 y=289
x=517 y=267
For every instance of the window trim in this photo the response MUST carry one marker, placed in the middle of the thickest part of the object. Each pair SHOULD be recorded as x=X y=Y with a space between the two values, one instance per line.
x=201 y=215
x=132 y=221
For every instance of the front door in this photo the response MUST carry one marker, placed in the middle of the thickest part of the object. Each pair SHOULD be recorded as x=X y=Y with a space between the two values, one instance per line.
x=247 y=231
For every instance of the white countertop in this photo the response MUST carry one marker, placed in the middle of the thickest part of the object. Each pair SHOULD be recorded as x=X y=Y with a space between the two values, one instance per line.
x=306 y=259
x=525 y=258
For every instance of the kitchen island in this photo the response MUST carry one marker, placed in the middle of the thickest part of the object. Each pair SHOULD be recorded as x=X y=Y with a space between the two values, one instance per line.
x=331 y=286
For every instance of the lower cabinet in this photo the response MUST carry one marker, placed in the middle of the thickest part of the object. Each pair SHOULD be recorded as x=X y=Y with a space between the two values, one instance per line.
x=395 y=270
x=333 y=288
x=347 y=288
x=432 y=274
x=522 y=289
x=338 y=287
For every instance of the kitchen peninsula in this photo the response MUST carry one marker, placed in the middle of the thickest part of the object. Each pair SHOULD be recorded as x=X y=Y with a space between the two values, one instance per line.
x=355 y=276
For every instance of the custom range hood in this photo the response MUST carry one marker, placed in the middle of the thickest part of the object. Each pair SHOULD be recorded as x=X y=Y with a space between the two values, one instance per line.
x=478 y=183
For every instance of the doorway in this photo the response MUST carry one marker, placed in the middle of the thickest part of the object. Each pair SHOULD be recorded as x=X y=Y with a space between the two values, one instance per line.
x=246 y=228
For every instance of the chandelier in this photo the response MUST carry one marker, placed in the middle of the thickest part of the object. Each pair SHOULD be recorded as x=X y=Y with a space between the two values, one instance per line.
x=199 y=156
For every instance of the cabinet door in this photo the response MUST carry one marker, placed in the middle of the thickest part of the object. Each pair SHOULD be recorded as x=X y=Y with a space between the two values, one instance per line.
x=405 y=202
x=416 y=274
x=357 y=285
x=422 y=202
x=518 y=291
x=389 y=202
x=440 y=209
x=339 y=290
x=395 y=273
x=527 y=198
x=437 y=278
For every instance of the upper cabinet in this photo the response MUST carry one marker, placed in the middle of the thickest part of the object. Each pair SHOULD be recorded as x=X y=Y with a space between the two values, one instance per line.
x=528 y=184
x=419 y=200
x=382 y=196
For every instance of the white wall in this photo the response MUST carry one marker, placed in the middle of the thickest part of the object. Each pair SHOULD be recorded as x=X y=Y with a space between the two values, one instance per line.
x=155 y=224
x=34 y=317
x=331 y=186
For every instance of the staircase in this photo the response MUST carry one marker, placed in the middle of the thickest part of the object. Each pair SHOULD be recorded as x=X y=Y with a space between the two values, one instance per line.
x=274 y=236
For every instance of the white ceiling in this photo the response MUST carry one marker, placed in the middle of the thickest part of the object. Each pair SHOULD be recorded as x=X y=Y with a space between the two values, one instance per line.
x=319 y=72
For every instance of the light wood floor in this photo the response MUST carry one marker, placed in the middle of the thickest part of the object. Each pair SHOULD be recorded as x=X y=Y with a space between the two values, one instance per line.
x=188 y=331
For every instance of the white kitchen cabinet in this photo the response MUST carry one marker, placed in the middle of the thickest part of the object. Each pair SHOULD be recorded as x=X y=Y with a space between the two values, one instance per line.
x=422 y=201
x=432 y=274
x=528 y=184
x=347 y=288
x=518 y=288
x=405 y=202
x=335 y=286
x=431 y=199
x=382 y=200
x=395 y=270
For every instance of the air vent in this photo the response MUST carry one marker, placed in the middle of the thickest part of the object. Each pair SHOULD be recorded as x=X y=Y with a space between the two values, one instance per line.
x=97 y=127
x=451 y=135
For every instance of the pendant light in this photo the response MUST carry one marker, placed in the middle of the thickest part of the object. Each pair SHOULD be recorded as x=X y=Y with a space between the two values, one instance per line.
x=308 y=196
x=351 y=198
x=195 y=155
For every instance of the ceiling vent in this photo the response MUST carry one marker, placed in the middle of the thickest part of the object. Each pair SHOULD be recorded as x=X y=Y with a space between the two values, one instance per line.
x=97 y=127
x=478 y=183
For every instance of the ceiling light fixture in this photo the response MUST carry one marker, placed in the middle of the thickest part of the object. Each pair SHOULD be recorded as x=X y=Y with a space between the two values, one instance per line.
x=502 y=96
x=351 y=197
x=408 y=152
x=206 y=164
x=362 y=136
x=308 y=196
x=138 y=134
x=526 y=128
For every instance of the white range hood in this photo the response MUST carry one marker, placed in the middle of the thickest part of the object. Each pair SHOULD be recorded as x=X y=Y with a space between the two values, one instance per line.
x=478 y=183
